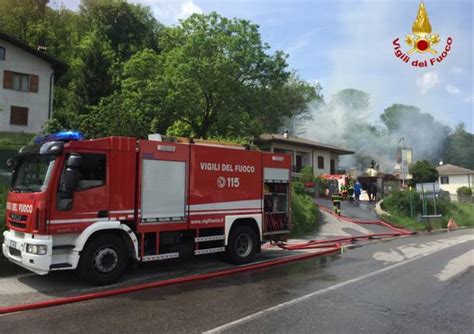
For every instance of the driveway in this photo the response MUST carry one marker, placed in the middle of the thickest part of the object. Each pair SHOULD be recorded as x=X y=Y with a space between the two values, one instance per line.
x=363 y=211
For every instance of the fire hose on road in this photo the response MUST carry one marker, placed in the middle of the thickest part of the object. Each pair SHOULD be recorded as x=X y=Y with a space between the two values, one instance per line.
x=333 y=249
x=314 y=244
x=396 y=229
x=330 y=246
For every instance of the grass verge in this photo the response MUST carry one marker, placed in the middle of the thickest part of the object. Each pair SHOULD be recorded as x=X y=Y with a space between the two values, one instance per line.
x=13 y=141
x=398 y=205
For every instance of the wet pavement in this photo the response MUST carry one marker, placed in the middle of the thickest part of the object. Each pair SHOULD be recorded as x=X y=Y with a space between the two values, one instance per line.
x=363 y=210
x=414 y=284
x=29 y=287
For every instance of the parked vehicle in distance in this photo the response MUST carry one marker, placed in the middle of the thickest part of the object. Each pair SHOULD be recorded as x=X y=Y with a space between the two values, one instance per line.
x=94 y=205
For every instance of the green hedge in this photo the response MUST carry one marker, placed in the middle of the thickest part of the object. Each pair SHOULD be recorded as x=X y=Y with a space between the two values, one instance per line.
x=464 y=191
x=13 y=141
x=304 y=213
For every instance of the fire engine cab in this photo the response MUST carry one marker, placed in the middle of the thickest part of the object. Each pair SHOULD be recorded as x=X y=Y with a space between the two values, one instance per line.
x=95 y=205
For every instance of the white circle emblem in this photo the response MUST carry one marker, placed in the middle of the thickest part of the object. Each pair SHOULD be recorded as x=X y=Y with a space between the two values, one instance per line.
x=221 y=182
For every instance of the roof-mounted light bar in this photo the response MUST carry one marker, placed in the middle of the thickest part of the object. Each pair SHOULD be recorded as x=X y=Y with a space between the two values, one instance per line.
x=60 y=136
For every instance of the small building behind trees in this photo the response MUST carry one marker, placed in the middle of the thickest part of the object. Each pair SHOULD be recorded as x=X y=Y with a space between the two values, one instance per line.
x=27 y=78
x=322 y=158
x=452 y=177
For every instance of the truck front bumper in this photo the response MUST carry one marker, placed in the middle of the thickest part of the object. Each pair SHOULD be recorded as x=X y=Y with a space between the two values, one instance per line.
x=14 y=249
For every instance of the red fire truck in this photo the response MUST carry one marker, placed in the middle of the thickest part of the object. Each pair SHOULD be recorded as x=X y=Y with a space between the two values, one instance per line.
x=95 y=205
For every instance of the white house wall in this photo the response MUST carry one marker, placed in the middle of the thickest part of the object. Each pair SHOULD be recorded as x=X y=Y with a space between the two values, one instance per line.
x=311 y=154
x=456 y=181
x=21 y=61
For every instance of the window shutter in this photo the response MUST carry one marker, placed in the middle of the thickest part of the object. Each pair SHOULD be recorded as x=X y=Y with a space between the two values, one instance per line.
x=34 y=81
x=19 y=116
x=7 y=79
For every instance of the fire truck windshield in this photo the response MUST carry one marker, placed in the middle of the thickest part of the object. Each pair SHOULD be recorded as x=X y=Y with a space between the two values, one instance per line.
x=32 y=173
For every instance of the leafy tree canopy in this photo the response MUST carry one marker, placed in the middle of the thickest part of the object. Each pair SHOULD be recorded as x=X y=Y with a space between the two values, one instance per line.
x=423 y=172
x=212 y=77
x=458 y=148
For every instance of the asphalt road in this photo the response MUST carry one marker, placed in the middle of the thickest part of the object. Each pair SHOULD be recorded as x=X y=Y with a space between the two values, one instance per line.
x=362 y=210
x=421 y=284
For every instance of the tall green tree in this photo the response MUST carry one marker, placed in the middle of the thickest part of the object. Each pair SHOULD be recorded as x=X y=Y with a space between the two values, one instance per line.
x=220 y=78
x=92 y=70
x=212 y=77
x=458 y=148
x=129 y=28
x=21 y=17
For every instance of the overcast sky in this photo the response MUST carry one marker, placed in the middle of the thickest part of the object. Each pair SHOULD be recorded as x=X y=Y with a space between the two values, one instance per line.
x=348 y=44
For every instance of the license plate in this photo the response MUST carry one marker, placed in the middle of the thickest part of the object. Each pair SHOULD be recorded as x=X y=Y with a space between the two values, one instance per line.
x=13 y=244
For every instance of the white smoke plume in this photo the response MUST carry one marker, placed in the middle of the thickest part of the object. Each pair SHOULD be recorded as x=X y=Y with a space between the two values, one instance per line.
x=346 y=121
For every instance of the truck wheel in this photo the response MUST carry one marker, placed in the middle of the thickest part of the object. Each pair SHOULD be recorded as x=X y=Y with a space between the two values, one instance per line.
x=104 y=260
x=242 y=245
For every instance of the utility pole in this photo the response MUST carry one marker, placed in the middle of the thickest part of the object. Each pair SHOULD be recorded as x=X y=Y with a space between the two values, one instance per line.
x=403 y=164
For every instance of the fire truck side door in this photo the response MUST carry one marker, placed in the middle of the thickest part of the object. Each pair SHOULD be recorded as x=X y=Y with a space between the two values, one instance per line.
x=89 y=202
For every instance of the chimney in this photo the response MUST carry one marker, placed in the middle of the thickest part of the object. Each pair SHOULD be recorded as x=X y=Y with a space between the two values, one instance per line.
x=285 y=134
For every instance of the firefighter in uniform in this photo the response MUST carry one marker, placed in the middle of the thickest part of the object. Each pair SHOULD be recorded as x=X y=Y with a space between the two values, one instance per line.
x=336 y=203
x=351 y=190
x=344 y=191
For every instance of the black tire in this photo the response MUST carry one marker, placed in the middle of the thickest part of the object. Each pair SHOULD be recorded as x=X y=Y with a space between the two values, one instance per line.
x=103 y=260
x=242 y=245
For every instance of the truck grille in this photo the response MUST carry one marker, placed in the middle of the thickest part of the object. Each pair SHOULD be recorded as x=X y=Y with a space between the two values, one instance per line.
x=18 y=218
x=14 y=252
x=17 y=224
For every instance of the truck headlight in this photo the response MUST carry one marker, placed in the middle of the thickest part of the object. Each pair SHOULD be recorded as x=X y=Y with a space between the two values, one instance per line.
x=36 y=249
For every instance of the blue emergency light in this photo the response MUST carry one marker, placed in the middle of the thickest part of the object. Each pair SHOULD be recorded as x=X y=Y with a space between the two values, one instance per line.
x=60 y=136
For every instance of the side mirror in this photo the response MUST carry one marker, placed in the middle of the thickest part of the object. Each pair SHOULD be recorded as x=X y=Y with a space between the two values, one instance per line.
x=71 y=174
x=10 y=163
x=71 y=178
x=74 y=161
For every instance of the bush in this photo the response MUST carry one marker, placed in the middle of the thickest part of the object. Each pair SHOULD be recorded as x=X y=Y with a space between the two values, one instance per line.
x=306 y=174
x=304 y=213
x=398 y=205
x=399 y=202
x=464 y=191
x=14 y=141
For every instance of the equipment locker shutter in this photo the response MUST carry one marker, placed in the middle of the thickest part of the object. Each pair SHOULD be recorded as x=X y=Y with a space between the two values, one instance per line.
x=163 y=189
x=276 y=174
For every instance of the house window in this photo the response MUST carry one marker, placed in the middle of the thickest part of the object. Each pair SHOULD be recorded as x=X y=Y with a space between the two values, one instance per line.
x=2 y=53
x=18 y=116
x=444 y=179
x=21 y=82
x=320 y=162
